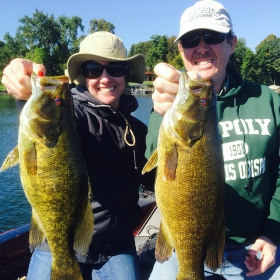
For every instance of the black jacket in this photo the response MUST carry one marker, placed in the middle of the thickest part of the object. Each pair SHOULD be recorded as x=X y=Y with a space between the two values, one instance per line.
x=114 y=169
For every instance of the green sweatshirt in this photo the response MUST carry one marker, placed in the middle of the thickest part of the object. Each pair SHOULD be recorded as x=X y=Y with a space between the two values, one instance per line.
x=249 y=123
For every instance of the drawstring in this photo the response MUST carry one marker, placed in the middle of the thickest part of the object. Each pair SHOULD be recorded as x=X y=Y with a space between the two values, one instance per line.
x=128 y=128
x=128 y=131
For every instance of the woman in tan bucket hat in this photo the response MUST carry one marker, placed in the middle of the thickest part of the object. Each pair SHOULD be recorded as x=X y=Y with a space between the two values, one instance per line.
x=114 y=144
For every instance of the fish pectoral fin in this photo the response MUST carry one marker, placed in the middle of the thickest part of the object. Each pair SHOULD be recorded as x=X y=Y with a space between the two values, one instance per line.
x=163 y=249
x=84 y=232
x=151 y=163
x=30 y=158
x=11 y=160
x=170 y=164
x=36 y=235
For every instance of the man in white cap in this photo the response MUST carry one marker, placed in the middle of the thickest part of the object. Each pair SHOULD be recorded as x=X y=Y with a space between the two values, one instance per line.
x=249 y=123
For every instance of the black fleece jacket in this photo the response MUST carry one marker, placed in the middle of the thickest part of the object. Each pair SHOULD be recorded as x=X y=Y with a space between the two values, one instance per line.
x=114 y=169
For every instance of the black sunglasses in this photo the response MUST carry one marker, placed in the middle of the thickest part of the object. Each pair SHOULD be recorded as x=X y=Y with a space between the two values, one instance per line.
x=93 y=69
x=191 y=40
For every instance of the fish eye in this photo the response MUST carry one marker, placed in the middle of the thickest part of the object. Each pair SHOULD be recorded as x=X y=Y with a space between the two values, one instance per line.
x=204 y=101
x=58 y=100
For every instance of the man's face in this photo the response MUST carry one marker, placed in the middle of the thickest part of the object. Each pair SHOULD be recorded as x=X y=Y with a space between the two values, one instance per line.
x=208 y=60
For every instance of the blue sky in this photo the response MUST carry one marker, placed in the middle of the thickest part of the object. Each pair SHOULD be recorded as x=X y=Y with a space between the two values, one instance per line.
x=136 y=21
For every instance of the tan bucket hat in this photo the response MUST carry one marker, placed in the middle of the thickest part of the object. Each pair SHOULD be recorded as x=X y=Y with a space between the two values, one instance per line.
x=105 y=46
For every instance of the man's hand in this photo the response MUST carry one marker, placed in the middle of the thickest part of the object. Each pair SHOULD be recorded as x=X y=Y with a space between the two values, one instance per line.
x=268 y=250
x=16 y=77
x=166 y=87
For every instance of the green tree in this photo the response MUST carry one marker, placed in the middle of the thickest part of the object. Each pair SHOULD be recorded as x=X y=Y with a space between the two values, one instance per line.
x=270 y=37
x=69 y=32
x=142 y=47
x=173 y=51
x=101 y=25
x=11 y=48
x=276 y=66
x=40 y=30
x=158 y=51
x=37 y=55
x=132 y=50
x=177 y=62
x=50 y=40
x=237 y=57
x=268 y=55
x=249 y=70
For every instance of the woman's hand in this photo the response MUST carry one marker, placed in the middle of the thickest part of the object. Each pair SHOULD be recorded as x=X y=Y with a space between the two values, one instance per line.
x=16 y=77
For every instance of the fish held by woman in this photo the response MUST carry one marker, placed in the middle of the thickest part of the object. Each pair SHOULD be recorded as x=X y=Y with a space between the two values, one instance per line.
x=53 y=175
x=190 y=180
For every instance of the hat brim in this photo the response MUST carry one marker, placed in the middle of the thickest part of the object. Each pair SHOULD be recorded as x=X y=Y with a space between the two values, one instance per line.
x=202 y=25
x=136 y=63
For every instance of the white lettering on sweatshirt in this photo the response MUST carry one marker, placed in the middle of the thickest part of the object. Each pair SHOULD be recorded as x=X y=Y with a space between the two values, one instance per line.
x=247 y=126
x=237 y=150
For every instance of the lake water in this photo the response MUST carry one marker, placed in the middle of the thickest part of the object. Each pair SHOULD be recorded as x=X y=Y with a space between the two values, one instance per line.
x=14 y=208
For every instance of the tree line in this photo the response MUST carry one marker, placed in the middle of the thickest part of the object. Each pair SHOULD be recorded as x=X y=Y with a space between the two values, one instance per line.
x=50 y=41
x=262 y=66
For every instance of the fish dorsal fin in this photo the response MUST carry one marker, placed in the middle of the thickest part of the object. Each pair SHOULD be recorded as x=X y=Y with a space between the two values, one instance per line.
x=151 y=163
x=171 y=161
x=36 y=235
x=11 y=160
x=84 y=232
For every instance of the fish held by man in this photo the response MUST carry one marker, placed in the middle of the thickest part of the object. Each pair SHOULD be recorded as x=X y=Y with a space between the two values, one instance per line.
x=190 y=181
x=53 y=175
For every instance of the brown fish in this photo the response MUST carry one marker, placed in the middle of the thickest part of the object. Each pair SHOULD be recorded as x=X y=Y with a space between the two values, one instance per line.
x=190 y=181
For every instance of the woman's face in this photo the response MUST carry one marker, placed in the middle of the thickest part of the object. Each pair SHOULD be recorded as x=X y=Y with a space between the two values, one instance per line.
x=106 y=88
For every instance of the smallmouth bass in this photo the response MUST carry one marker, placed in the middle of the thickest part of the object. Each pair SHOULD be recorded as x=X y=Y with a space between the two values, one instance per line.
x=54 y=175
x=189 y=184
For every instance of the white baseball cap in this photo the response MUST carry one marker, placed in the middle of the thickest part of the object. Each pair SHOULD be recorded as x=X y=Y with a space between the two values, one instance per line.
x=205 y=14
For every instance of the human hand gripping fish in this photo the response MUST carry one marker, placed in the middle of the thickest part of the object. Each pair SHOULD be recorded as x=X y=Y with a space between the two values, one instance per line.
x=53 y=175
x=190 y=180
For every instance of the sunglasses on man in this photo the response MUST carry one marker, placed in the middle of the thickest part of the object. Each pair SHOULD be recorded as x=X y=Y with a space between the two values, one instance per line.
x=192 y=39
x=93 y=69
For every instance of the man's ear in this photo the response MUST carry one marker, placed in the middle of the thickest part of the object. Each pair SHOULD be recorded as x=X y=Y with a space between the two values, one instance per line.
x=180 y=48
x=233 y=44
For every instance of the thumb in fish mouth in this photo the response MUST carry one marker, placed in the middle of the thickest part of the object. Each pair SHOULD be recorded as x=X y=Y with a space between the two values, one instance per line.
x=193 y=75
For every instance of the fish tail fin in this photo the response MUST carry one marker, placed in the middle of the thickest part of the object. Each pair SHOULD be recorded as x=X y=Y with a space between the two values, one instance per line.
x=151 y=163
x=36 y=235
x=84 y=232
x=71 y=272
x=163 y=248
x=215 y=249
x=11 y=160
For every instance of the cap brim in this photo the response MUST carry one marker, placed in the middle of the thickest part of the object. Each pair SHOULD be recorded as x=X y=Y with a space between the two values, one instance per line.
x=217 y=28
